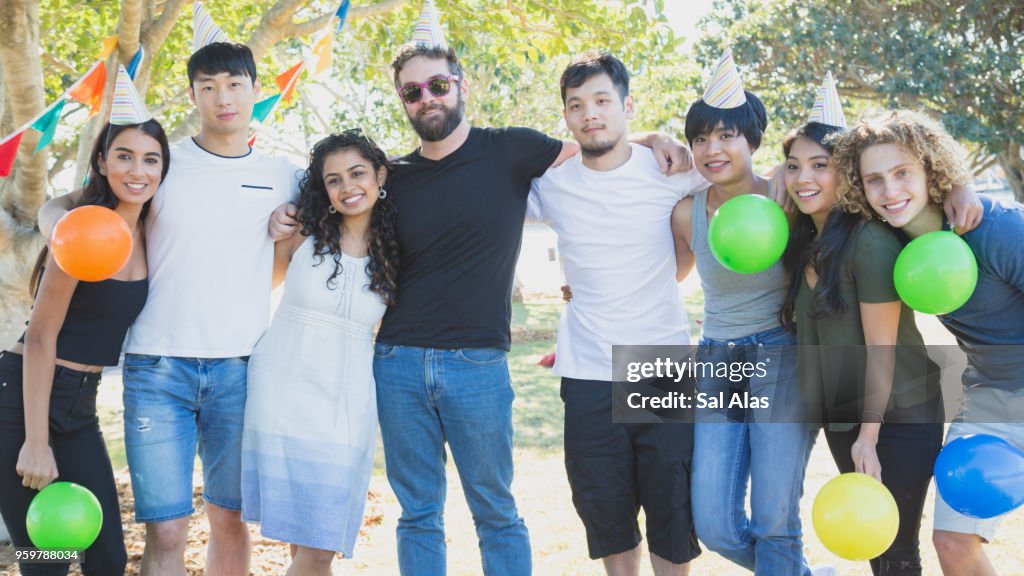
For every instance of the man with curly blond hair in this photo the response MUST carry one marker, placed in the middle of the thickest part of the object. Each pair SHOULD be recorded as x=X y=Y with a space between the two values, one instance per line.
x=899 y=167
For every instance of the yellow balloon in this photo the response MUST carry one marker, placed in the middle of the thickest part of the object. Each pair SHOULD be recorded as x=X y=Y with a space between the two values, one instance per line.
x=855 y=517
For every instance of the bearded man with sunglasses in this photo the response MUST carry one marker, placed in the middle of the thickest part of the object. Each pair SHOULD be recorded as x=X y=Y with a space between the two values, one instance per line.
x=440 y=358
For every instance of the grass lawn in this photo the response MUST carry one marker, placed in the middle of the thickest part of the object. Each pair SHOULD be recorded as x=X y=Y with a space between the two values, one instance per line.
x=541 y=489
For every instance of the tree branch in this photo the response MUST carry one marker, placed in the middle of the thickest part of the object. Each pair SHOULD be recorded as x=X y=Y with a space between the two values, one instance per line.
x=128 y=29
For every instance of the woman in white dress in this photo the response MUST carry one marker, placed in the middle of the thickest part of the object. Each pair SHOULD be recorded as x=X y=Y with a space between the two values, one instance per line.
x=311 y=415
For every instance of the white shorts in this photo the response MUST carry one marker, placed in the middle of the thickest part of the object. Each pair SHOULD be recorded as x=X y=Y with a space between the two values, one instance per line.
x=986 y=411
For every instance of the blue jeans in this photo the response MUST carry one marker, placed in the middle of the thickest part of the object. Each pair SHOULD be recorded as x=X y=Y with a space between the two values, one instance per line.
x=749 y=445
x=172 y=406
x=426 y=397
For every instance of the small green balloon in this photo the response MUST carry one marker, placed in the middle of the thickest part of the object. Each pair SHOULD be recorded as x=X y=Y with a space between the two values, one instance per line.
x=64 y=516
x=748 y=233
x=936 y=273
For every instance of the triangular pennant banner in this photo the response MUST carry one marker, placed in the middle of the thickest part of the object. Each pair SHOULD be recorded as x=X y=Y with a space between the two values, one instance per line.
x=286 y=80
x=252 y=140
x=109 y=43
x=89 y=89
x=342 y=13
x=262 y=109
x=8 y=150
x=322 y=54
x=47 y=124
x=133 y=66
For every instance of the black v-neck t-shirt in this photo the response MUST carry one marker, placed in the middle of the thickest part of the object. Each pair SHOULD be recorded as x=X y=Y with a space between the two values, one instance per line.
x=460 y=225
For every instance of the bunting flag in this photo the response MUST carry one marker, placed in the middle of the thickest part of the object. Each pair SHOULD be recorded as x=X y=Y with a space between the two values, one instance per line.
x=342 y=13
x=89 y=88
x=133 y=66
x=109 y=43
x=321 y=56
x=47 y=124
x=827 y=108
x=127 y=107
x=204 y=29
x=725 y=89
x=8 y=150
x=252 y=139
x=428 y=28
x=262 y=109
x=286 y=80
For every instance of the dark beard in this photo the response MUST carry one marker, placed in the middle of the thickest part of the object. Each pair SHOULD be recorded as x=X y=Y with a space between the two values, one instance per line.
x=434 y=131
x=597 y=150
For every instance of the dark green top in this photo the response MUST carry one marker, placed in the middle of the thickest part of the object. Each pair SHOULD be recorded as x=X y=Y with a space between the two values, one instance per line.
x=832 y=354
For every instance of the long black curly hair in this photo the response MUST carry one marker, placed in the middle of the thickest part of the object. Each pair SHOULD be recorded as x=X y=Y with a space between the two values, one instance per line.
x=317 y=221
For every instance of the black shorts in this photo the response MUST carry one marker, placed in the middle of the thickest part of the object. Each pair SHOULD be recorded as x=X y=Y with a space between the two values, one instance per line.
x=615 y=469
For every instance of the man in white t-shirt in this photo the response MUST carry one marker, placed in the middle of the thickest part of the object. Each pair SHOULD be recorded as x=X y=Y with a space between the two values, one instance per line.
x=210 y=271
x=611 y=207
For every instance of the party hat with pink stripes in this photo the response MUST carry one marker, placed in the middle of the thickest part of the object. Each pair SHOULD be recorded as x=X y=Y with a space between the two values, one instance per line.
x=725 y=89
x=204 y=29
x=428 y=28
x=127 y=107
x=827 y=107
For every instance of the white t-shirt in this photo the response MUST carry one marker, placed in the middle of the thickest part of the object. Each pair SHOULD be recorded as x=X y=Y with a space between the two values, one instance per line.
x=615 y=241
x=210 y=258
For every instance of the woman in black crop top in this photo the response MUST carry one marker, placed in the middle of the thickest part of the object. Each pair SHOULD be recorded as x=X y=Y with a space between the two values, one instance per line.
x=48 y=381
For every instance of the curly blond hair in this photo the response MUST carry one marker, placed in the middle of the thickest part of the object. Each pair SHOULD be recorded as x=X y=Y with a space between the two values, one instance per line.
x=915 y=133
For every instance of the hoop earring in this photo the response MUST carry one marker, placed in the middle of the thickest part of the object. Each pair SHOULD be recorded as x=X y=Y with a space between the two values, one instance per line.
x=383 y=194
x=331 y=209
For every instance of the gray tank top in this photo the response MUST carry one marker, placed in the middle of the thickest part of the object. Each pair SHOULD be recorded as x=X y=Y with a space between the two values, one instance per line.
x=735 y=305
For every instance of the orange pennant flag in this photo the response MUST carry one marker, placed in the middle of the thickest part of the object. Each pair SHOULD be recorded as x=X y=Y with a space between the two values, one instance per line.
x=286 y=81
x=322 y=49
x=89 y=89
x=109 y=43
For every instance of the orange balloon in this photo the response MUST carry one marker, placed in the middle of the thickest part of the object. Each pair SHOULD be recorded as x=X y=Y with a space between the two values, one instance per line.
x=91 y=243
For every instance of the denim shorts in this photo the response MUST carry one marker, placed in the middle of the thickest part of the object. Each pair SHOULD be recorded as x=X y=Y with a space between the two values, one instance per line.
x=172 y=406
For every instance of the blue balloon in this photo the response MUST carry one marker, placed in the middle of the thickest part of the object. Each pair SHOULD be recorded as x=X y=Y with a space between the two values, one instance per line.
x=981 y=476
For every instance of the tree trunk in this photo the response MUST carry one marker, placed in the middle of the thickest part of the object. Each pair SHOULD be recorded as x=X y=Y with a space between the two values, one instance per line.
x=1013 y=166
x=23 y=193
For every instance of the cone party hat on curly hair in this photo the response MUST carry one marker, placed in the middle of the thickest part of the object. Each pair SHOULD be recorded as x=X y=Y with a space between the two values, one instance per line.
x=827 y=107
x=725 y=89
x=204 y=29
x=428 y=28
x=127 y=107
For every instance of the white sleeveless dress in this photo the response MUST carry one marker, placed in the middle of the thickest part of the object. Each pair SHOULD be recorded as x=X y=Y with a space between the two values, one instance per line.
x=311 y=415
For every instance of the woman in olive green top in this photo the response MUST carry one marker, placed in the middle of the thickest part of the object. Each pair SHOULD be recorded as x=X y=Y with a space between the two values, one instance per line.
x=863 y=365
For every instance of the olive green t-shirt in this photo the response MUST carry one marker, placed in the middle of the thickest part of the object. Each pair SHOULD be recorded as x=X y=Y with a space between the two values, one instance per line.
x=832 y=355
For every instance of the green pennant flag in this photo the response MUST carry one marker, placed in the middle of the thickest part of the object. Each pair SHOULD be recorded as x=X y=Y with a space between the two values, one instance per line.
x=263 y=108
x=47 y=124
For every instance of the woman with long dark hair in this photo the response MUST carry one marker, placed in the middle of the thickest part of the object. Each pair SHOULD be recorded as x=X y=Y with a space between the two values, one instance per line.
x=311 y=415
x=49 y=429
x=863 y=365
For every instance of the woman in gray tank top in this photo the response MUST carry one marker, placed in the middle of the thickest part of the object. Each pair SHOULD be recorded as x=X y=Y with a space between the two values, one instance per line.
x=749 y=415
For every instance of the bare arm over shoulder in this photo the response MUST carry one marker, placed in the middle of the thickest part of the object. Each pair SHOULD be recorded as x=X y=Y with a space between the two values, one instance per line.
x=681 y=233
x=54 y=209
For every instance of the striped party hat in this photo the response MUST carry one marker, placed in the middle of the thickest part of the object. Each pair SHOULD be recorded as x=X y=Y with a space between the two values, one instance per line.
x=204 y=29
x=127 y=107
x=827 y=107
x=725 y=89
x=428 y=28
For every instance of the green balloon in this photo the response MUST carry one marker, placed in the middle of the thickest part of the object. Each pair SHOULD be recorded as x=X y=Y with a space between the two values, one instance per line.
x=936 y=273
x=64 y=516
x=748 y=233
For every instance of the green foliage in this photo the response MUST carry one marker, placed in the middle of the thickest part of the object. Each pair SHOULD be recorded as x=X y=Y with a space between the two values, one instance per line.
x=513 y=53
x=960 y=61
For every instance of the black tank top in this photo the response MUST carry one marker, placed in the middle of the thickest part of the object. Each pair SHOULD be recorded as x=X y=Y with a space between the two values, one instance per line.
x=98 y=319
